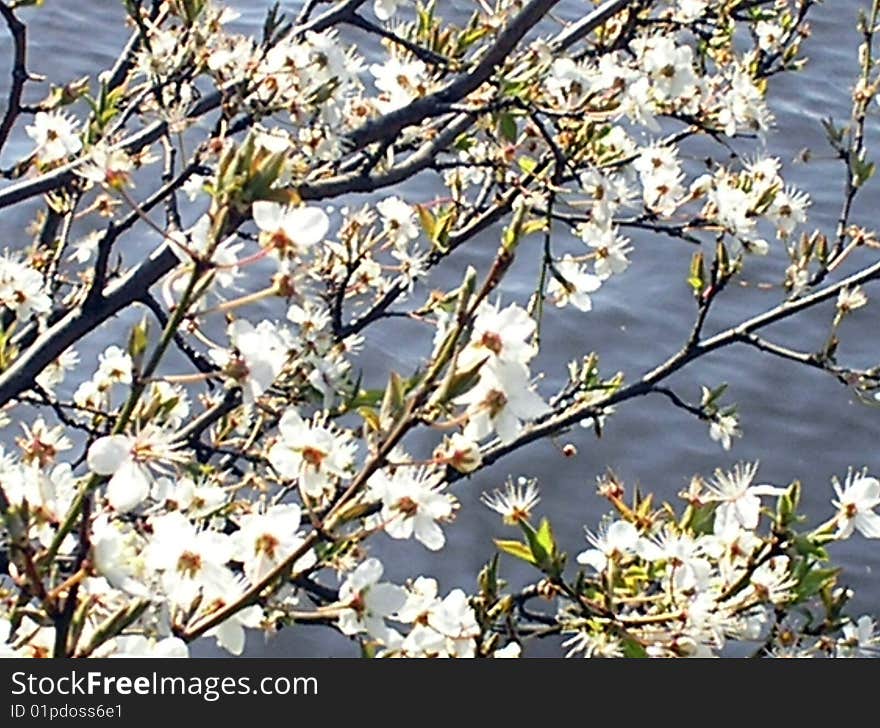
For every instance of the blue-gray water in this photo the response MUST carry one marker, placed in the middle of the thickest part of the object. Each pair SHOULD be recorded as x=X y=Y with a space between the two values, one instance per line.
x=799 y=423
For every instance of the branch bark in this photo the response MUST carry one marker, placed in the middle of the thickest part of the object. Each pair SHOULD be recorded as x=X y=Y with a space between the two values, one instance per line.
x=18 y=31
x=564 y=419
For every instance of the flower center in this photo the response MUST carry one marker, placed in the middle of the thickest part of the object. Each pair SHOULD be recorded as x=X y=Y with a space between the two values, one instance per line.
x=189 y=564
x=407 y=506
x=492 y=342
x=495 y=401
x=266 y=544
x=280 y=241
x=313 y=456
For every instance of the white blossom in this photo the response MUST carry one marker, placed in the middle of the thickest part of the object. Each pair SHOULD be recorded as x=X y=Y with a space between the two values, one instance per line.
x=367 y=602
x=572 y=285
x=413 y=504
x=264 y=540
x=515 y=502
x=723 y=428
x=502 y=400
x=856 y=500
x=738 y=500
x=314 y=453
x=128 y=460
x=290 y=229
x=55 y=136
x=611 y=543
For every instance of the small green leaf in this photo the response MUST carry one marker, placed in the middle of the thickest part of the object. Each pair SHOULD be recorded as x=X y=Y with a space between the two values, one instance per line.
x=507 y=128
x=370 y=417
x=488 y=579
x=863 y=170
x=527 y=164
x=807 y=546
x=545 y=537
x=541 y=543
x=516 y=549
x=429 y=222
x=633 y=649
x=697 y=277
x=392 y=402
x=138 y=340
x=814 y=581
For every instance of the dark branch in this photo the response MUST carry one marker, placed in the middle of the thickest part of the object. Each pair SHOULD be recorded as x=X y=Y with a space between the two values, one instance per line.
x=19 y=72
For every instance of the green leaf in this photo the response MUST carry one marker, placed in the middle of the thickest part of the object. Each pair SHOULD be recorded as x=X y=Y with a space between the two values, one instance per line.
x=697 y=277
x=138 y=340
x=488 y=579
x=429 y=222
x=534 y=226
x=541 y=543
x=631 y=648
x=371 y=417
x=392 y=402
x=440 y=238
x=863 y=170
x=366 y=398
x=787 y=505
x=814 y=581
x=703 y=519
x=712 y=397
x=834 y=133
x=527 y=164
x=807 y=546
x=507 y=127
x=463 y=381
x=544 y=536
x=516 y=549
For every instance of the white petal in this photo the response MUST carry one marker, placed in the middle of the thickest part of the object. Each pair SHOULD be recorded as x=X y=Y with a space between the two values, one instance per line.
x=251 y=617
x=284 y=460
x=622 y=536
x=865 y=489
x=107 y=454
x=845 y=528
x=384 y=9
x=307 y=225
x=385 y=598
x=268 y=215
x=509 y=651
x=171 y=647
x=129 y=487
x=230 y=636
x=868 y=524
x=748 y=511
x=369 y=572
x=291 y=426
x=594 y=558
x=398 y=526
x=648 y=550
x=725 y=518
x=349 y=623
x=429 y=533
x=506 y=425
x=767 y=489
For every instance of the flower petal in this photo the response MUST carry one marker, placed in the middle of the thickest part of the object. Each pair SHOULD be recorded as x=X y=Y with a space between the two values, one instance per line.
x=307 y=225
x=383 y=599
x=268 y=215
x=107 y=454
x=129 y=487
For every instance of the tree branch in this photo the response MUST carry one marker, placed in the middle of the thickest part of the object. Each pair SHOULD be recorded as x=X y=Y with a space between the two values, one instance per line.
x=558 y=421
x=18 y=32
x=392 y=123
